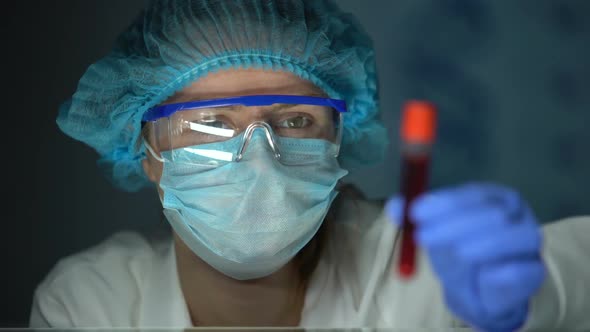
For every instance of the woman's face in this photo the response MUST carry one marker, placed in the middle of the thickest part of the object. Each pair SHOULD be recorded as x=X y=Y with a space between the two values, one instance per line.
x=230 y=83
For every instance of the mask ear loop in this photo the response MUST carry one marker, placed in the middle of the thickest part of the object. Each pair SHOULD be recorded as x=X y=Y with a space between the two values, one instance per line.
x=339 y=136
x=151 y=150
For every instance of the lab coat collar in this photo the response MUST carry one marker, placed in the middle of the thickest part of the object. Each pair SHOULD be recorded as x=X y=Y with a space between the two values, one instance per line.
x=163 y=304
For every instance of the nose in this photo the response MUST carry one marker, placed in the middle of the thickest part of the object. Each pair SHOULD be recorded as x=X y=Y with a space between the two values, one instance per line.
x=270 y=137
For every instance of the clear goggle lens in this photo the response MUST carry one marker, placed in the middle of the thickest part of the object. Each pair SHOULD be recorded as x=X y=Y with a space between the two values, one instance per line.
x=220 y=134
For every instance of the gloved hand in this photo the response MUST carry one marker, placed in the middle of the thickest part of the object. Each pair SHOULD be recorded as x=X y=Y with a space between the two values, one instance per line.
x=483 y=243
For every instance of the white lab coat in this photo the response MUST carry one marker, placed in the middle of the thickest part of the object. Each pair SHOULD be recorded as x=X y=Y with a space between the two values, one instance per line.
x=131 y=281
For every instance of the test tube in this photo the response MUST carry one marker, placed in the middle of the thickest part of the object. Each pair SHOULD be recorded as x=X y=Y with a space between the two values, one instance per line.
x=417 y=133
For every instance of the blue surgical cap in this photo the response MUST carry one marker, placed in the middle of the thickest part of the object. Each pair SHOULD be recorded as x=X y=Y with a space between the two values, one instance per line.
x=172 y=43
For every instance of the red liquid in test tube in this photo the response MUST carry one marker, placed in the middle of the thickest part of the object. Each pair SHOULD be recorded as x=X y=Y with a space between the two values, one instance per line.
x=417 y=137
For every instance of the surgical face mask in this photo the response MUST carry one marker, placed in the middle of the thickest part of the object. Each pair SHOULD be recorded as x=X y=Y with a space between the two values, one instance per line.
x=247 y=219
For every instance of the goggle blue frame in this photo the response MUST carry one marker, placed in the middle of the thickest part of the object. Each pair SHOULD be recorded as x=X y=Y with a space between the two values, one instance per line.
x=161 y=111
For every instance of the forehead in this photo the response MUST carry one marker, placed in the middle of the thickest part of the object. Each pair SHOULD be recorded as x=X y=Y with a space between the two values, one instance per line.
x=241 y=82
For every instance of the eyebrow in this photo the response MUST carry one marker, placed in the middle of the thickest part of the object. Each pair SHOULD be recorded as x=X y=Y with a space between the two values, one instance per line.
x=307 y=91
x=271 y=108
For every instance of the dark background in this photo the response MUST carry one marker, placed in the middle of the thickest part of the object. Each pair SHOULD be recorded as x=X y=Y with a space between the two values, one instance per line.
x=512 y=79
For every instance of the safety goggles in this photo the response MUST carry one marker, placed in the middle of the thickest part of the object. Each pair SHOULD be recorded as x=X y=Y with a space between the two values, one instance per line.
x=218 y=130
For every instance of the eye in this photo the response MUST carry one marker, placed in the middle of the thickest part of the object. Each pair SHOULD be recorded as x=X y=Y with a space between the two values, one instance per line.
x=295 y=122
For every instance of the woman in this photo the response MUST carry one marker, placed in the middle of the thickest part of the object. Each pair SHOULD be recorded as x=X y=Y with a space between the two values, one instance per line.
x=246 y=116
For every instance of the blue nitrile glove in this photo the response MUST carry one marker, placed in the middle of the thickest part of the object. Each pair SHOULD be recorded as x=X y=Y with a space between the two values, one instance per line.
x=483 y=243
